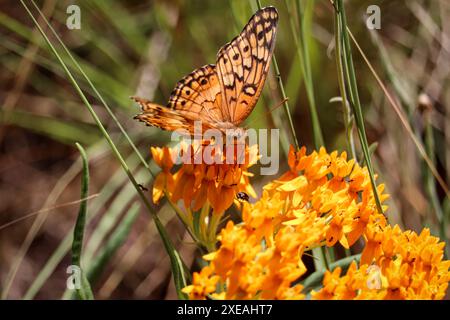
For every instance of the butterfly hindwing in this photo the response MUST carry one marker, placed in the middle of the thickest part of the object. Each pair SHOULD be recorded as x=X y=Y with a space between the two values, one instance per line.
x=195 y=97
x=162 y=117
x=243 y=64
x=199 y=93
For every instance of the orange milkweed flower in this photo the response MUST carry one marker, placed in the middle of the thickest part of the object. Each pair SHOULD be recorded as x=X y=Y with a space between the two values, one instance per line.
x=202 y=284
x=197 y=182
x=164 y=179
x=407 y=266
x=323 y=199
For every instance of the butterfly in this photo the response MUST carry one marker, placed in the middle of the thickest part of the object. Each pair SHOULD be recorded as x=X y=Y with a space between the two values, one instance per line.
x=223 y=95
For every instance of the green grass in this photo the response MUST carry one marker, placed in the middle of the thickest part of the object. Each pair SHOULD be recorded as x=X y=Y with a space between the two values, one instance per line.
x=85 y=291
x=177 y=267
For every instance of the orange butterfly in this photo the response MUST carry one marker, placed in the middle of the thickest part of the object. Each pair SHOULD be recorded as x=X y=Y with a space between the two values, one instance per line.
x=223 y=95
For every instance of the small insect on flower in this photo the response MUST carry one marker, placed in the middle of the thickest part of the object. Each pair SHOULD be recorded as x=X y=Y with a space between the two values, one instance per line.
x=242 y=196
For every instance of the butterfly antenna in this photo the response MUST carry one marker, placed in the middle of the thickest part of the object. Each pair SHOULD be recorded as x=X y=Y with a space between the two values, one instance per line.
x=270 y=111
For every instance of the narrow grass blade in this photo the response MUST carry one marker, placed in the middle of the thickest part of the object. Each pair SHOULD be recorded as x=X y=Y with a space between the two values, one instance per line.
x=61 y=131
x=166 y=240
x=301 y=40
x=283 y=94
x=349 y=71
x=430 y=183
x=404 y=121
x=115 y=89
x=348 y=116
x=97 y=93
x=84 y=291
x=15 y=26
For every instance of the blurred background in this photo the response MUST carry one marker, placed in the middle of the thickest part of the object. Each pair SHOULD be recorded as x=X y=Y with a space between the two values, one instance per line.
x=143 y=48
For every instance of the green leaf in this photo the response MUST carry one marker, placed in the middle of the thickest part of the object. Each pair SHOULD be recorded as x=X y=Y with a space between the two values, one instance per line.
x=84 y=291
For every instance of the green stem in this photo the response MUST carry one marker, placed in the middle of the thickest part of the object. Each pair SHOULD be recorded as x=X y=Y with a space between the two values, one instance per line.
x=304 y=56
x=202 y=224
x=301 y=42
x=283 y=94
x=212 y=231
x=315 y=279
x=430 y=184
x=348 y=117
x=354 y=98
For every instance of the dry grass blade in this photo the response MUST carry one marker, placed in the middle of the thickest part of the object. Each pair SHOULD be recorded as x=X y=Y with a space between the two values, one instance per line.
x=403 y=120
x=58 y=206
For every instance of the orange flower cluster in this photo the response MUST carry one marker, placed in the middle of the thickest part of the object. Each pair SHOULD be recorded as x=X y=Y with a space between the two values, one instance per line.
x=323 y=198
x=331 y=189
x=394 y=265
x=197 y=182
x=247 y=268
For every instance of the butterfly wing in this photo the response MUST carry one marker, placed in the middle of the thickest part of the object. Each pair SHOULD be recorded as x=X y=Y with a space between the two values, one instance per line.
x=196 y=97
x=227 y=92
x=162 y=117
x=243 y=63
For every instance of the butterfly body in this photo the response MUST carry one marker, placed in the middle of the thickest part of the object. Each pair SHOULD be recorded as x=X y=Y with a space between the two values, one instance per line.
x=242 y=196
x=223 y=95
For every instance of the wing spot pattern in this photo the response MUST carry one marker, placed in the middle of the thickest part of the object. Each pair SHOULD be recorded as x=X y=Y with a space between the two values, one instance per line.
x=249 y=90
x=260 y=35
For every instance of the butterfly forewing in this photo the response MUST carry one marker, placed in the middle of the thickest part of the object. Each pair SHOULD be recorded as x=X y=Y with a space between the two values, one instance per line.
x=242 y=64
x=199 y=94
